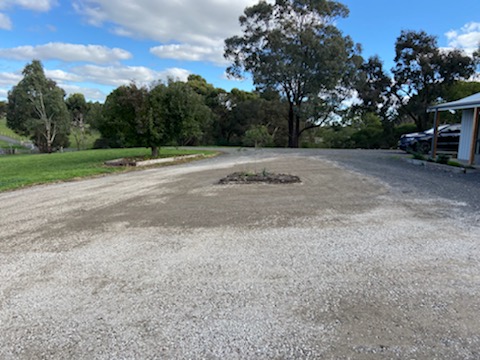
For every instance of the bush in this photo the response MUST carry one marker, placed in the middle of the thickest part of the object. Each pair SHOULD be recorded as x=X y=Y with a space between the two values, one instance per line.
x=258 y=136
x=443 y=159
x=404 y=129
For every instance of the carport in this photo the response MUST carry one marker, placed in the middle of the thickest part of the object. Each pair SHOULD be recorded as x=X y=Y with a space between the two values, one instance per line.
x=469 y=147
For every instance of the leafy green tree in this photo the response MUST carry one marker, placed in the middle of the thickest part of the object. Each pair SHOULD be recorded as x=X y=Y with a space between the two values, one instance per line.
x=215 y=99
x=78 y=108
x=370 y=132
x=124 y=115
x=3 y=108
x=373 y=87
x=456 y=91
x=293 y=47
x=94 y=115
x=476 y=60
x=206 y=90
x=36 y=108
x=185 y=116
x=423 y=72
x=258 y=136
x=336 y=136
x=260 y=110
x=238 y=111
x=461 y=89
x=167 y=114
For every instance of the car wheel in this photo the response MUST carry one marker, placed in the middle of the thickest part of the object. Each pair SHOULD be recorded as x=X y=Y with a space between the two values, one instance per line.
x=424 y=147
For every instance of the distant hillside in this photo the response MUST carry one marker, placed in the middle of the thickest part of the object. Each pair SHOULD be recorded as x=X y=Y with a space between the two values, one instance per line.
x=5 y=131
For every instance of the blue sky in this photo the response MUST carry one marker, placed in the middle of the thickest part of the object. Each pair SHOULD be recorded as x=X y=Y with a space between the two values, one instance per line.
x=94 y=46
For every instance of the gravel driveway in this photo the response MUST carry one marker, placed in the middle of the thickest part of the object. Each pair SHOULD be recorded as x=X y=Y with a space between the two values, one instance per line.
x=362 y=260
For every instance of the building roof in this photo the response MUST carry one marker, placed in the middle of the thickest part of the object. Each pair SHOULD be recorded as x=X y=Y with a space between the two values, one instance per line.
x=469 y=102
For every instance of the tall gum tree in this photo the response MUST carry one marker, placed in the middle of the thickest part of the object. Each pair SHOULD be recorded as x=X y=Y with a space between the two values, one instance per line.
x=36 y=108
x=423 y=73
x=293 y=47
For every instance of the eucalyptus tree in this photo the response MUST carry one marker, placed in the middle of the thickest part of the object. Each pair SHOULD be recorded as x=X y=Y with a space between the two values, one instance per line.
x=3 y=108
x=423 y=72
x=373 y=87
x=294 y=47
x=36 y=108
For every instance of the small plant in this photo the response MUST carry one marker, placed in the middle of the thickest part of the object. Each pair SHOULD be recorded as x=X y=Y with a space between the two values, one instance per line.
x=454 y=163
x=418 y=156
x=443 y=159
x=258 y=136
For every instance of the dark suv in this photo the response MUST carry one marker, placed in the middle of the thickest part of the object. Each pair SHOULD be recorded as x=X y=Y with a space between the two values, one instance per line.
x=448 y=139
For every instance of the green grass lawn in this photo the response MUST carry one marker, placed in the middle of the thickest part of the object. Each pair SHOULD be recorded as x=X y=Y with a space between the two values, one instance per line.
x=23 y=170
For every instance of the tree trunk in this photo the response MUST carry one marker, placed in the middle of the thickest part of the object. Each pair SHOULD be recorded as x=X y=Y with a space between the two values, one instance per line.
x=425 y=121
x=297 y=130
x=293 y=127
x=49 y=139
x=291 y=130
x=155 y=151
x=51 y=133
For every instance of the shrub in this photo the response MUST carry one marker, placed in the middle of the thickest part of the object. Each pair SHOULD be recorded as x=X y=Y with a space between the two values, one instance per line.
x=443 y=159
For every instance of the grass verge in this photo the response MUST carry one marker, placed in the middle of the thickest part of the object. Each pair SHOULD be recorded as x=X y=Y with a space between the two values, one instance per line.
x=24 y=170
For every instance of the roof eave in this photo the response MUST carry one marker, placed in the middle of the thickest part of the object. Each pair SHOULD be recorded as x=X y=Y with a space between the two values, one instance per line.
x=453 y=106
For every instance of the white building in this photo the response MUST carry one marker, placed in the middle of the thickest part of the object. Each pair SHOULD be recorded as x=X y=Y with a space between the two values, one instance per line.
x=469 y=147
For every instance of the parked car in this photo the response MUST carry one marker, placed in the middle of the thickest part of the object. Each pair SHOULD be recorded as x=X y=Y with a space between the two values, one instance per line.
x=448 y=139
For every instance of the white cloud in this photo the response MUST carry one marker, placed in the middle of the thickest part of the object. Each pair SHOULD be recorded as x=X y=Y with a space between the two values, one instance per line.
x=61 y=76
x=189 y=21
x=35 y=5
x=92 y=94
x=5 y=22
x=93 y=80
x=199 y=26
x=466 y=38
x=122 y=75
x=175 y=74
x=190 y=53
x=67 y=52
x=9 y=79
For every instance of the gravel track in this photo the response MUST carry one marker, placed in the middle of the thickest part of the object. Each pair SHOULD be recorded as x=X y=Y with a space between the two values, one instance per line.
x=355 y=262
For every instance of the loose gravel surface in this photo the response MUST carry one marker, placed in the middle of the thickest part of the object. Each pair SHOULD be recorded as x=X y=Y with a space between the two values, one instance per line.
x=361 y=260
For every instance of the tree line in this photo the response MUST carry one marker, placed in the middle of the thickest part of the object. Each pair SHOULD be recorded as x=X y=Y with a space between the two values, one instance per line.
x=312 y=87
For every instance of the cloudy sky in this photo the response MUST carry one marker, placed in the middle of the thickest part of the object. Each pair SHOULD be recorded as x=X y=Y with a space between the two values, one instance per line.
x=94 y=46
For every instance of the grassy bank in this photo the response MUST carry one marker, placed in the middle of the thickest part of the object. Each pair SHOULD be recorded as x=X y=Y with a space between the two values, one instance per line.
x=23 y=170
x=4 y=130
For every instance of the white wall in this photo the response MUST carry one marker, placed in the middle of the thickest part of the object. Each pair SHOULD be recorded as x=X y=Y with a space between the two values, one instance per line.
x=466 y=135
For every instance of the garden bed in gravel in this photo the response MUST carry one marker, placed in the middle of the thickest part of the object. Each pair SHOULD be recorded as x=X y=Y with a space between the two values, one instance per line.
x=263 y=177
